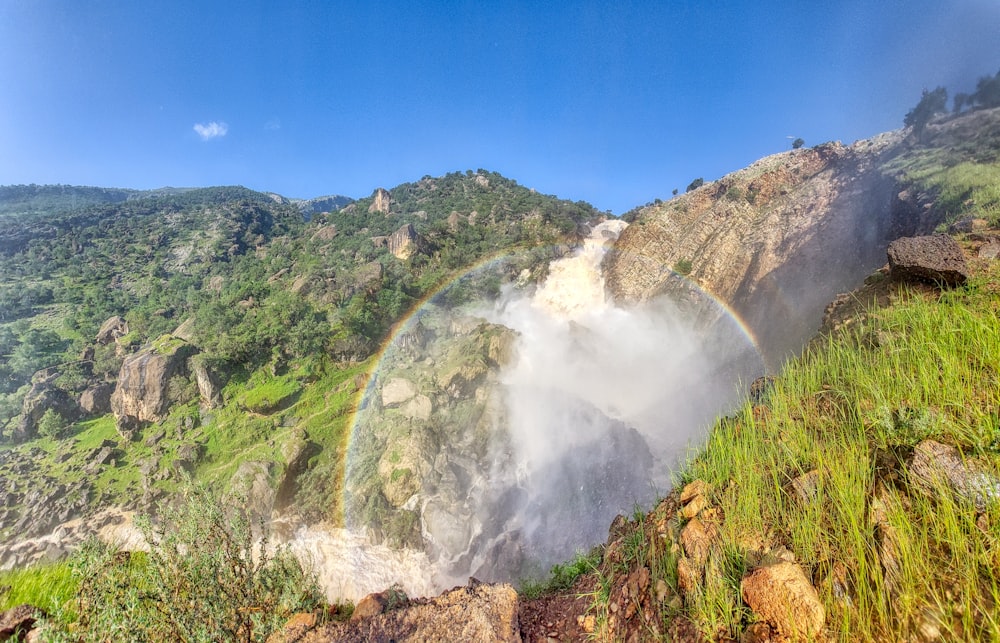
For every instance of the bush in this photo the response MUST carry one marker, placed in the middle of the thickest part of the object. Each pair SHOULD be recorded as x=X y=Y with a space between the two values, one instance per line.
x=206 y=578
x=797 y=143
x=683 y=267
x=51 y=424
x=694 y=185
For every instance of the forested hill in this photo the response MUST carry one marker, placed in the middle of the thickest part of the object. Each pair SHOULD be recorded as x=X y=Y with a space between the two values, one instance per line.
x=257 y=277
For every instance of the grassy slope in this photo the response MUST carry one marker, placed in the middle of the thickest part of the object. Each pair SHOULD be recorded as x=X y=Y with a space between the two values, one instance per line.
x=852 y=410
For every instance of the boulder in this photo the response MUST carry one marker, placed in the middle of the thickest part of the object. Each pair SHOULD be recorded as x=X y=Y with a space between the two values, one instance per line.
x=111 y=330
x=209 y=387
x=419 y=408
x=96 y=400
x=404 y=242
x=935 y=258
x=397 y=391
x=478 y=612
x=17 y=622
x=936 y=467
x=141 y=394
x=325 y=233
x=783 y=597
x=43 y=397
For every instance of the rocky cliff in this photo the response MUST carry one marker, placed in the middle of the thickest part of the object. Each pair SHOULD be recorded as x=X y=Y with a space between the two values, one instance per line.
x=775 y=241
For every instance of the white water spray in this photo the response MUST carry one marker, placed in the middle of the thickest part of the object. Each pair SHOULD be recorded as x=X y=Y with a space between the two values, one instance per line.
x=521 y=468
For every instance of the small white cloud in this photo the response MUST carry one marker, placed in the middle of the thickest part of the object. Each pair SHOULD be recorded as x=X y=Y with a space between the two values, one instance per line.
x=208 y=131
x=273 y=124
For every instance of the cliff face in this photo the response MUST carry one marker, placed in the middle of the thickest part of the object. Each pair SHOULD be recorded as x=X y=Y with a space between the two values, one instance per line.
x=775 y=242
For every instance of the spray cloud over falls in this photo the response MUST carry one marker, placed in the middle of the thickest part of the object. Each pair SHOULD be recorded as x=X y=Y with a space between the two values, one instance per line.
x=501 y=439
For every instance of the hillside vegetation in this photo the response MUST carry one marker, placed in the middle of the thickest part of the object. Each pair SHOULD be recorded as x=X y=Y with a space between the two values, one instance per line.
x=276 y=309
x=264 y=317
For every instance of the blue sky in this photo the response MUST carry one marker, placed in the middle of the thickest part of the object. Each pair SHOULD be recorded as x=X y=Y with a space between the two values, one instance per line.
x=613 y=103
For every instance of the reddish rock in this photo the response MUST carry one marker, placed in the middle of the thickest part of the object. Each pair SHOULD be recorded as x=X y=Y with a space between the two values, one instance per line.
x=783 y=597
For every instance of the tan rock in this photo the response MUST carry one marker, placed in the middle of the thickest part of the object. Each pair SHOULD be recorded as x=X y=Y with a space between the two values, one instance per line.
x=782 y=596
x=141 y=394
x=694 y=489
x=480 y=612
x=694 y=507
x=380 y=201
x=294 y=628
x=748 y=234
x=696 y=539
x=688 y=576
x=370 y=605
x=397 y=391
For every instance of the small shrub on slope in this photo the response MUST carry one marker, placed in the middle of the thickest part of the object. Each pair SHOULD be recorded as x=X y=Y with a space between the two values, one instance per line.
x=207 y=578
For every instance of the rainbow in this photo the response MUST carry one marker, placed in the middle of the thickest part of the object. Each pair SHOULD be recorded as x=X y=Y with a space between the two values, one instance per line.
x=405 y=322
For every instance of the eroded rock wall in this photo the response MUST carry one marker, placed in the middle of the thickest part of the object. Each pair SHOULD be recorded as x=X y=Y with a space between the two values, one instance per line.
x=775 y=241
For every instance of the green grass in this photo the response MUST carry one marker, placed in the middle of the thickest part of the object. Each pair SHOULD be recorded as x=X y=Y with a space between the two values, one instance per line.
x=562 y=576
x=47 y=586
x=268 y=395
x=852 y=411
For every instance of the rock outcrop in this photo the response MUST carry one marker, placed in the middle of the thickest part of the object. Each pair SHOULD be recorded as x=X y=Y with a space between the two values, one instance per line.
x=479 y=612
x=112 y=329
x=141 y=395
x=404 y=242
x=209 y=387
x=43 y=396
x=775 y=241
x=934 y=258
x=380 y=201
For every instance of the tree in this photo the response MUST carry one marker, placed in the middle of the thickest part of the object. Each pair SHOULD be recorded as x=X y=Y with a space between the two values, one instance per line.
x=931 y=104
x=961 y=100
x=987 y=92
x=797 y=143
x=694 y=185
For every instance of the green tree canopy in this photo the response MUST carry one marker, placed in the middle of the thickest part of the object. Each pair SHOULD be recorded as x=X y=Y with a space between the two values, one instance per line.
x=931 y=103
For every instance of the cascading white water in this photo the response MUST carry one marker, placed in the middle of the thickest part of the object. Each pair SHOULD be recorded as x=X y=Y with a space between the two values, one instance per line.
x=588 y=373
x=586 y=421
x=348 y=566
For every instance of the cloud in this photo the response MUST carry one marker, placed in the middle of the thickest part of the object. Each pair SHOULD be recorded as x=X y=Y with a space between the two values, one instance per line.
x=208 y=131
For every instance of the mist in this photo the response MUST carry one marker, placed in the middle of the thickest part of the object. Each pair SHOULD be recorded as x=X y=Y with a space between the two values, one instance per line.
x=499 y=471
x=601 y=402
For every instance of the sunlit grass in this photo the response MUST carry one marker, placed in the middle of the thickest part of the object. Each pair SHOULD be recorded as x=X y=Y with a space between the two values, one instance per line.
x=852 y=411
x=49 y=587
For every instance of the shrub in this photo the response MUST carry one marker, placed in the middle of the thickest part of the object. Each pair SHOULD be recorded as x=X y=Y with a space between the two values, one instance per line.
x=694 y=185
x=206 y=578
x=797 y=143
x=683 y=267
x=51 y=424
